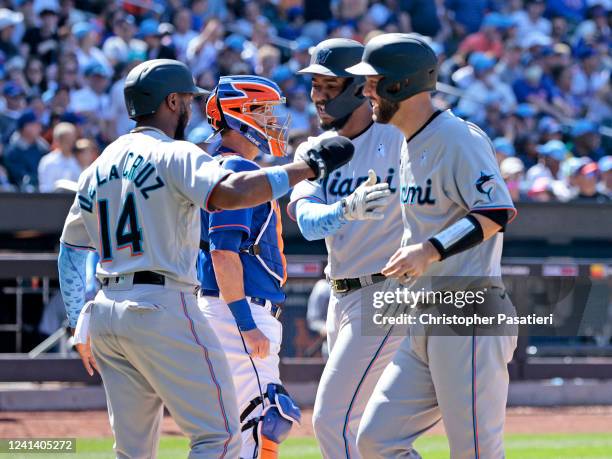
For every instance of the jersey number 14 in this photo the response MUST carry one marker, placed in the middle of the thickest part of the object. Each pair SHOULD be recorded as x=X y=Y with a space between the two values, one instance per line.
x=127 y=233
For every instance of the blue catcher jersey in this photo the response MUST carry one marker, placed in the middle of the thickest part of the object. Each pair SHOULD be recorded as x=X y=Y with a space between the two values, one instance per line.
x=261 y=247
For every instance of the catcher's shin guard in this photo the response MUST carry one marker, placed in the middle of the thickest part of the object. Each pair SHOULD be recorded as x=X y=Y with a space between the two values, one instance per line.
x=273 y=425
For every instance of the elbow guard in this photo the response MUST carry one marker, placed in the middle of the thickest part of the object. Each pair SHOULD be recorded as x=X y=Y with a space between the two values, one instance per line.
x=460 y=236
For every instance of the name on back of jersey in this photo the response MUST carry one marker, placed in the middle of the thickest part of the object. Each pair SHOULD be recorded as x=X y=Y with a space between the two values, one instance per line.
x=142 y=174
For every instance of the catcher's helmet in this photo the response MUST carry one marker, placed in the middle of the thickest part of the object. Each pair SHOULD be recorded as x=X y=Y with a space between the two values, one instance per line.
x=331 y=58
x=253 y=106
x=149 y=83
x=401 y=58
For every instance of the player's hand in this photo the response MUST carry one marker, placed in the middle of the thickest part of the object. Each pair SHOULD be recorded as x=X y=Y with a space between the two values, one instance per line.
x=367 y=200
x=329 y=155
x=87 y=357
x=411 y=261
x=257 y=344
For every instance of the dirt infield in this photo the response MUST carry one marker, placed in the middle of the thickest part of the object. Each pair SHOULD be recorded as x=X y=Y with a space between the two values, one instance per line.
x=95 y=423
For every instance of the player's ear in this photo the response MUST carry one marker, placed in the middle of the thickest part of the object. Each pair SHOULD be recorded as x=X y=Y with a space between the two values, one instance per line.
x=173 y=101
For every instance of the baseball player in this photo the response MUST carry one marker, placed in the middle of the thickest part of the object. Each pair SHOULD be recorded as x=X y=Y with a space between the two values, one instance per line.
x=138 y=206
x=242 y=267
x=454 y=204
x=347 y=210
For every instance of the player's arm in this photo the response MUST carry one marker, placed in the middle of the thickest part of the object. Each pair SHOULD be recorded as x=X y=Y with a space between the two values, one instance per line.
x=249 y=189
x=464 y=234
x=317 y=220
x=75 y=247
x=229 y=275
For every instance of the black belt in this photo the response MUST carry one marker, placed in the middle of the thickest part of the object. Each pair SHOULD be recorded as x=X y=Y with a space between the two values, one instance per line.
x=276 y=308
x=346 y=285
x=140 y=277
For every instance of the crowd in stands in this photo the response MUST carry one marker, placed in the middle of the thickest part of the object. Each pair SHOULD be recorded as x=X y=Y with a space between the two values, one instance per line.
x=534 y=74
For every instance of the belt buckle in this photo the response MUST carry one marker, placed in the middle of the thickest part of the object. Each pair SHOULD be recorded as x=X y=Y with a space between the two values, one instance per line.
x=340 y=285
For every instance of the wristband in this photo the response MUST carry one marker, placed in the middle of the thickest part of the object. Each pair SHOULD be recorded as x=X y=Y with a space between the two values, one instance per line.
x=279 y=180
x=241 y=310
x=460 y=236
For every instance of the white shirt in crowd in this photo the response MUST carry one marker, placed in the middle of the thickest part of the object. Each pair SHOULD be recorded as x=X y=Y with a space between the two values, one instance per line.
x=55 y=166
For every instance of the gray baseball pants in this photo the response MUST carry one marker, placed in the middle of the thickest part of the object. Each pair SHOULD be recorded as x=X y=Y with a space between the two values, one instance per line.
x=154 y=348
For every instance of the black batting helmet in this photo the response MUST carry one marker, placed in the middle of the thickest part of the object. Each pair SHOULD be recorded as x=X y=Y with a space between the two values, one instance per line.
x=149 y=83
x=401 y=58
x=331 y=58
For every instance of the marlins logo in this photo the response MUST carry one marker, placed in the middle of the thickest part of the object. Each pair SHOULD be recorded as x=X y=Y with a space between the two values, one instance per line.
x=322 y=56
x=482 y=182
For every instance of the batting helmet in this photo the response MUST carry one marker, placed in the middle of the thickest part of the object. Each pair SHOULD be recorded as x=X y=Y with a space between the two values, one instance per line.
x=404 y=59
x=149 y=83
x=253 y=106
x=331 y=58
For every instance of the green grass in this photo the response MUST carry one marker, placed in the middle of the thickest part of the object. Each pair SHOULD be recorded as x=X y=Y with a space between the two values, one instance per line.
x=550 y=446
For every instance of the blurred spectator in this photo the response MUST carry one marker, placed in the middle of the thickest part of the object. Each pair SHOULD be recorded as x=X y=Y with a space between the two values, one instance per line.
x=93 y=102
x=117 y=47
x=202 y=50
x=35 y=76
x=532 y=18
x=298 y=108
x=421 y=16
x=42 y=39
x=122 y=123
x=183 y=33
x=605 y=169
x=549 y=129
x=488 y=40
x=550 y=156
x=14 y=97
x=268 y=59
x=8 y=20
x=485 y=88
x=513 y=171
x=587 y=141
x=149 y=32
x=541 y=190
x=590 y=74
x=528 y=71
x=316 y=312
x=503 y=149
x=24 y=151
x=60 y=163
x=466 y=15
x=85 y=152
x=586 y=178
x=510 y=68
x=87 y=53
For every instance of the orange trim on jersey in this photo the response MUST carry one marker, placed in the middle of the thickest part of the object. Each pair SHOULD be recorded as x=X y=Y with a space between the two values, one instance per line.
x=231 y=225
x=279 y=237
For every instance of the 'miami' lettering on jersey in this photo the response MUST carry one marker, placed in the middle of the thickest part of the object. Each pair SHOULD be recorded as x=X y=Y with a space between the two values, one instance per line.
x=137 y=172
x=414 y=194
x=339 y=186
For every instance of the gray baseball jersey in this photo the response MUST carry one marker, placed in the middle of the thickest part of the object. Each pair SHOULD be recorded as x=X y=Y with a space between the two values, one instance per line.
x=359 y=248
x=138 y=205
x=448 y=169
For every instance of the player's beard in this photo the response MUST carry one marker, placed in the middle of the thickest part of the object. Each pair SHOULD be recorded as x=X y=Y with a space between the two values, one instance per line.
x=181 y=125
x=385 y=110
x=335 y=124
